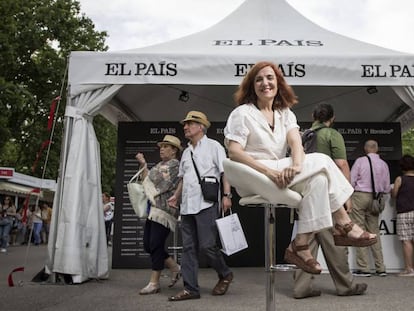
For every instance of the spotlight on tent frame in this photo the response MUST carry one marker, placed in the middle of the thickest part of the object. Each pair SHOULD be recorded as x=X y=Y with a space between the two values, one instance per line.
x=184 y=96
x=372 y=90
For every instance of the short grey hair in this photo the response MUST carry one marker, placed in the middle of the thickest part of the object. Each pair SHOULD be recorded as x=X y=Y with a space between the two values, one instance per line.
x=371 y=145
x=204 y=128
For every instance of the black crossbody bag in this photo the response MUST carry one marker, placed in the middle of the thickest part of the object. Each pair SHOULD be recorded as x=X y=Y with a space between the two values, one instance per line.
x=209 y=185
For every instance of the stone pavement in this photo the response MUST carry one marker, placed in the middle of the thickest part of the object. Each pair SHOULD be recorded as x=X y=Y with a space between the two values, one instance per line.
x=247 y=292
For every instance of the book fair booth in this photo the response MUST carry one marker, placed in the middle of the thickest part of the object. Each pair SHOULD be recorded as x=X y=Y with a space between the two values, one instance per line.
x=146 y=91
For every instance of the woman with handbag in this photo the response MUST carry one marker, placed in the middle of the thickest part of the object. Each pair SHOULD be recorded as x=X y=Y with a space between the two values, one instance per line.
x=161 y=218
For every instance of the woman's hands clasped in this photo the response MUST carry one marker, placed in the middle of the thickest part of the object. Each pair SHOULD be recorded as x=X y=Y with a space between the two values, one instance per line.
x=283 y=178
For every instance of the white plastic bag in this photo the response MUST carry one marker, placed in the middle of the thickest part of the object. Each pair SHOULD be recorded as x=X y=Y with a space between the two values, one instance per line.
x=231 y=234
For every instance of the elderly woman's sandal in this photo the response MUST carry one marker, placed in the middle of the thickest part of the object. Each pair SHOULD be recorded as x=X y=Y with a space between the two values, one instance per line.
x=342 y=239
x=175 y=277
x=292 y=257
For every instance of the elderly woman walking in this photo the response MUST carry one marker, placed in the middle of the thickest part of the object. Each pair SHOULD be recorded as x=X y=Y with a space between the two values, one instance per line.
x=162 y=218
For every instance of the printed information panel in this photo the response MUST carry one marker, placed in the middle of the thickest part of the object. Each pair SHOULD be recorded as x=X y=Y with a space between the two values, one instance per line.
x=133 y=137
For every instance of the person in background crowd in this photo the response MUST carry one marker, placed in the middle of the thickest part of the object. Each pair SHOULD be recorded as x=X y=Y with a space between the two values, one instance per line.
x=21 y=232
x=403 y=191
x=37 y=223
x=330 y=142
x=362 y=200
x=198 y=217
x=7 y=215
x=258 y=133
x=28 y=237
x=162 y=219
x=16 y=229
x=47 y=218
x=108 y=211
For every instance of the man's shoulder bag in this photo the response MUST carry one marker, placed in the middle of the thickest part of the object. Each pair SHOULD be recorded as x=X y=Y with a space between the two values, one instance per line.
x=209 y=185
x=378 y=200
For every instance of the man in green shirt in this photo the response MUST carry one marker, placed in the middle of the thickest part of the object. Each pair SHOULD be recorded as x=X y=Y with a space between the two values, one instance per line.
x=330 y=142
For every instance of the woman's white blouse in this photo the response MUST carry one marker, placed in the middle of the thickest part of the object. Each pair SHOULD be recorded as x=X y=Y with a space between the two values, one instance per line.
x=248 y=126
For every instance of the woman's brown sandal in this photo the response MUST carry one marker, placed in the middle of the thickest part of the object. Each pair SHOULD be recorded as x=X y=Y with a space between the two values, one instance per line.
x=175 y=277
x=342 y=239
x=292 y=257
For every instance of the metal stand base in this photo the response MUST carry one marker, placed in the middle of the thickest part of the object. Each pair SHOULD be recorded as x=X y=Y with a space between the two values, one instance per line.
x=270 y=256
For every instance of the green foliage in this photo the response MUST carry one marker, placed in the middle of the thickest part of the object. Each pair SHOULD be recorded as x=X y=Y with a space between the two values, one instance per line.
x=408 y=142
x=36 y=38
x=106 y=134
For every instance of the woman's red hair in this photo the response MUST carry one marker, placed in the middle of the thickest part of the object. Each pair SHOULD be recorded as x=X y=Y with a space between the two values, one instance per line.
x=285 y=97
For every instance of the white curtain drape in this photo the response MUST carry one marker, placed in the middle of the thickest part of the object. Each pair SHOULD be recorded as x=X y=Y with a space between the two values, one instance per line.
x=406 y=93
x=77 y=242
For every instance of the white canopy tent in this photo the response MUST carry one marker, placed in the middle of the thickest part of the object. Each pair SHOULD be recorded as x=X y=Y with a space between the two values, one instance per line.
x=145 y=84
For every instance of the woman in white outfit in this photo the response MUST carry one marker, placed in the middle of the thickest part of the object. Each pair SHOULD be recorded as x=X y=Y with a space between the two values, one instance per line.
x=258 y=133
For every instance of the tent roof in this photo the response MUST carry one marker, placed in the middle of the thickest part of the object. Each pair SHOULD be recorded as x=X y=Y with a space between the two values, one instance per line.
x=321 y=65
x=262 y=26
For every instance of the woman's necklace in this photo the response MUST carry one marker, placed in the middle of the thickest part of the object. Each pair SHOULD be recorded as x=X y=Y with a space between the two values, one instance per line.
x=269 y=116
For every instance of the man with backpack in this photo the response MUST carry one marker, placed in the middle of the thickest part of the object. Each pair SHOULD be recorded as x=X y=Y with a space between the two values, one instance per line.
x=324 y=139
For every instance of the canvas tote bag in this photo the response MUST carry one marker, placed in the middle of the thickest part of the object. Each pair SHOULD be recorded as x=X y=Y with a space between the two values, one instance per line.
x=136 y=193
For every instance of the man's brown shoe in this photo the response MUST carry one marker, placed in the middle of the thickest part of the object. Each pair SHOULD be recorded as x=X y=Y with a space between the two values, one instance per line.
x=184 y=295
x=222 y=285
x=312 y=293
x=359 y=289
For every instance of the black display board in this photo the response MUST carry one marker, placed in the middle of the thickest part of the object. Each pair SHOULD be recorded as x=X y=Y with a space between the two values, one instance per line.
x=142 y=137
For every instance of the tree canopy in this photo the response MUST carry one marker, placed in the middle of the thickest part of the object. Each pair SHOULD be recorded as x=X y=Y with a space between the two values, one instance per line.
x=408 y=142
x=36 y=38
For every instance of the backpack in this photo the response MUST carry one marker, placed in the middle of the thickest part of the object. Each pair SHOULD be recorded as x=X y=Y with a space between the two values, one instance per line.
x=309 y=140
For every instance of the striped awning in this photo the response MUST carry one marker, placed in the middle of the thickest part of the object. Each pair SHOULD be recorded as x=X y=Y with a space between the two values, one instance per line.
x=12 y=188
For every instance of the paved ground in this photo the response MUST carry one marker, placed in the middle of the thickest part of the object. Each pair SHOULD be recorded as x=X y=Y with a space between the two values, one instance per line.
x=120 y=291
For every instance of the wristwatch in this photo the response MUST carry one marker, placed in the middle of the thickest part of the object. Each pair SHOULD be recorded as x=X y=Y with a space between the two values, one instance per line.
x=229 y=195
